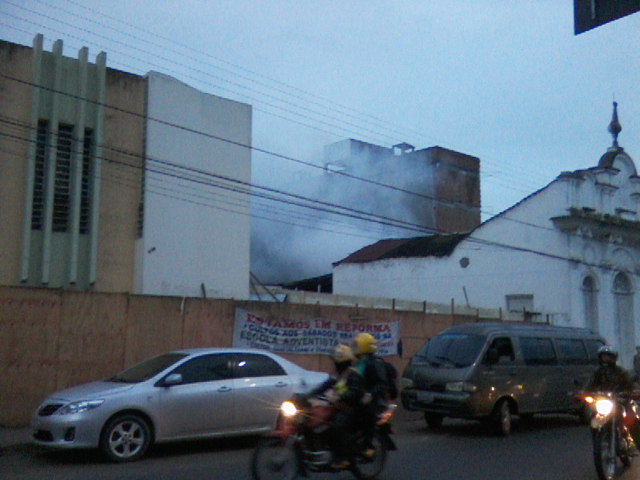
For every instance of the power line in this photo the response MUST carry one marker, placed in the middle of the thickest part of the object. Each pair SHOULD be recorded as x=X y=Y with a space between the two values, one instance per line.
x=172 y=42
x=242 y=187
x=256 y=149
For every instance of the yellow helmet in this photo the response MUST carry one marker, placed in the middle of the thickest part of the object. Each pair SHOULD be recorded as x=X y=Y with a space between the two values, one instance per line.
x=365 y=343
x=342 y=353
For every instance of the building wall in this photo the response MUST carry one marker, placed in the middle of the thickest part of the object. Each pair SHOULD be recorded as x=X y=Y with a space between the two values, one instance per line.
x=120 y=192
x=196 y=234
x=117 y=130
x=15 y=107
x=53 y=339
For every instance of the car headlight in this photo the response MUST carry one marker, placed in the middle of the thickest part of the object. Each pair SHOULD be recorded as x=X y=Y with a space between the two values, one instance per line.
x=460 y=387
x=80 y=406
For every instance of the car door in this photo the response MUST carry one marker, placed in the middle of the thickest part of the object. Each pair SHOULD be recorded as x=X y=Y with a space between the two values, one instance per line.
x=262 y=384
x=203 y=402
x=540 y=379
x=574 y=360
x=498 y=378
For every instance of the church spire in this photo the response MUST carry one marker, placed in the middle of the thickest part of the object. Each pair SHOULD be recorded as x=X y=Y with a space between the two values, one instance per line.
x=614 y=127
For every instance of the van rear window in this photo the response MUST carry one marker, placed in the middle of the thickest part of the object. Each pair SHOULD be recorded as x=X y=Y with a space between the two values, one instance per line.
x=451 y=350
x=538 y=351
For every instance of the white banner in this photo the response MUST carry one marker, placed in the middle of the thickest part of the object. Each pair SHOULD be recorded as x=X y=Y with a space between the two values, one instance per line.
x=316 y=335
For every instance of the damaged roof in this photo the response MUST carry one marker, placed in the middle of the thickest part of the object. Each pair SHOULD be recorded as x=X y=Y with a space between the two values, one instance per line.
x=439 y=245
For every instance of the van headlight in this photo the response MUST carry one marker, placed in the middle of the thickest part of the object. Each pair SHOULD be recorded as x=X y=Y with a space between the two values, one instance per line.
x=79 y=407
x=460 y=387
x=406 y=383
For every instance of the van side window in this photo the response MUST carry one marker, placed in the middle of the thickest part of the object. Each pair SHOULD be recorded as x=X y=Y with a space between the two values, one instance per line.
x=503 y=346
x=592 y=348
x=572 y=351
x=538 y=351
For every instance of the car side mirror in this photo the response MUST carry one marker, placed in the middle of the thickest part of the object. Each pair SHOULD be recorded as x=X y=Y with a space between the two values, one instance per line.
x=171 y=380
x=492 y=356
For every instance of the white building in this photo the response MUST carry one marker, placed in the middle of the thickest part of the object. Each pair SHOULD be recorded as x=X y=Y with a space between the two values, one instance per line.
x=196 y=235
x=568 y=254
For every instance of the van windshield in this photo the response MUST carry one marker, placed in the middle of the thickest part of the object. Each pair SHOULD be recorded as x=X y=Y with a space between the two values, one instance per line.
x=451 y=350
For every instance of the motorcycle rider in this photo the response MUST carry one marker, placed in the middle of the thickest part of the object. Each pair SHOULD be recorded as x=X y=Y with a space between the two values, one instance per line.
x=610 y=377
x=345 y=390
x=373 y=372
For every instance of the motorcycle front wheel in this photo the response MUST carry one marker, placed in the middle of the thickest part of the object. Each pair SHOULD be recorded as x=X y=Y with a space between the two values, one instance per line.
x=274 y=459
x=604 y=454
x=367 y=467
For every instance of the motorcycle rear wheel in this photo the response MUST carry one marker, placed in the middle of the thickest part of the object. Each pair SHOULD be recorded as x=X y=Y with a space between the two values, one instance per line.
x=368 y=468
x=606 y=463
x=274 y=459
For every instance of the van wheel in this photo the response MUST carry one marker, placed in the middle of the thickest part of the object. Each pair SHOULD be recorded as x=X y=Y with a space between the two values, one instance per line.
x=433 y=420
x=503 y=418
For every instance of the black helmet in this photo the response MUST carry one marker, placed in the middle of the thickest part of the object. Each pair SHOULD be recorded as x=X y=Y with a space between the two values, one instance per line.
x=610 y=351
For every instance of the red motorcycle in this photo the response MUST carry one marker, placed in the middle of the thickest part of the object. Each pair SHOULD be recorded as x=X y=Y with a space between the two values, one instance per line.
x=300 y=443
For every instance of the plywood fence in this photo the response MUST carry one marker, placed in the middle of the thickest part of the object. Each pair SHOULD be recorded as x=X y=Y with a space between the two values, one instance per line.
x=52 y=339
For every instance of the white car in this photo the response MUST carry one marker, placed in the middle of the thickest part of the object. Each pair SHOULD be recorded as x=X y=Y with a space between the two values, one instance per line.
x=184 y=394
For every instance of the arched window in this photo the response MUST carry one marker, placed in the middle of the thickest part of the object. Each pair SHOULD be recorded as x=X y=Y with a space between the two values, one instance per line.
x=590 y=297
x=623 y=316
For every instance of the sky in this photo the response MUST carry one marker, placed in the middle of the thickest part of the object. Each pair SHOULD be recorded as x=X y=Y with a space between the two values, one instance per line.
x=508 y=82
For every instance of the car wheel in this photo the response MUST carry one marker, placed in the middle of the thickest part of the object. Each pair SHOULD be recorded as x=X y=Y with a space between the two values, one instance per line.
x=503 y=419
x=125 y=438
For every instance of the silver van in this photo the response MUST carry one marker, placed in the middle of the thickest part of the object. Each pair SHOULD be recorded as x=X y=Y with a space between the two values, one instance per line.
x=493 y=371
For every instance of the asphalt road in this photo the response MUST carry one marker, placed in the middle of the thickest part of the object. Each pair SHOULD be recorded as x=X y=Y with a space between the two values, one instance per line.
x=545 y=448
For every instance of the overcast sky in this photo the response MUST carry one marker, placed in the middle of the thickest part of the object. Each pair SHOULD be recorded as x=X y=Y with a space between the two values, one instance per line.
x=507 y=81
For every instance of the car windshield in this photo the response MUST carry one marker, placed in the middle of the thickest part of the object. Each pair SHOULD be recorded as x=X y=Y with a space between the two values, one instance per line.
x=451 y=350
x=147 y=369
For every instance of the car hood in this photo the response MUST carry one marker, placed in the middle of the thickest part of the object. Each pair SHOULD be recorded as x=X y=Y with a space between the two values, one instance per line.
x=91 y=390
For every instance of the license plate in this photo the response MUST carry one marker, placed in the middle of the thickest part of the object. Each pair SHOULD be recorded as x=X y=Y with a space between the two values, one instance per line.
x=425 y=397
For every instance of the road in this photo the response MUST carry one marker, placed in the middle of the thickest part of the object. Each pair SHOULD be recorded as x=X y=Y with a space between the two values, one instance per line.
x=549 y=448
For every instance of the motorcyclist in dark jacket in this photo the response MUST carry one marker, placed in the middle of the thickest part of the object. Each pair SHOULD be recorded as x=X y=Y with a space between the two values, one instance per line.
x=610 y=377
x=344 y=389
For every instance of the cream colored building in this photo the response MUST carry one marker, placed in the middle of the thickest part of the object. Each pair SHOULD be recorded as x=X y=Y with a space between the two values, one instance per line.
x=97 y=178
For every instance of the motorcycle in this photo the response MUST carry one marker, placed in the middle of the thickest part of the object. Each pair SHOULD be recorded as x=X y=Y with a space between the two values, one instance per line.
x=611 y=426
x=300 y=445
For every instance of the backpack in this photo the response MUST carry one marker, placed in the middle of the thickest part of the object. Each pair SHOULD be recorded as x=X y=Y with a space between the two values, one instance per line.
x=389 y=376
x=392 y=380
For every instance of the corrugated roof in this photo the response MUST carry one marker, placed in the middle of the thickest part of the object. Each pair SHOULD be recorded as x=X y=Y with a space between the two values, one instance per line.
x=438 y=245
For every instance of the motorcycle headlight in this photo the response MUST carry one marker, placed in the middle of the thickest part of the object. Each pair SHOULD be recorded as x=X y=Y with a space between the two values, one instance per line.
x=79 y=407
x=288 y=409
x=604 y=406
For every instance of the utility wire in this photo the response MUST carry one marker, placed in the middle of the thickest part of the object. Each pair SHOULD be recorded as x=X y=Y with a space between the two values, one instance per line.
x=387 y=128
x=250 y=147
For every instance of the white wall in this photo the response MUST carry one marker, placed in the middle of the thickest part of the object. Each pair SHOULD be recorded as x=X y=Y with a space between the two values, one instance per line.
x=195 y=232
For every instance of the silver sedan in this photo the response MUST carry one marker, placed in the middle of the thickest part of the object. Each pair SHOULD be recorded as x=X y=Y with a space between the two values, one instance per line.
x=184 y=394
